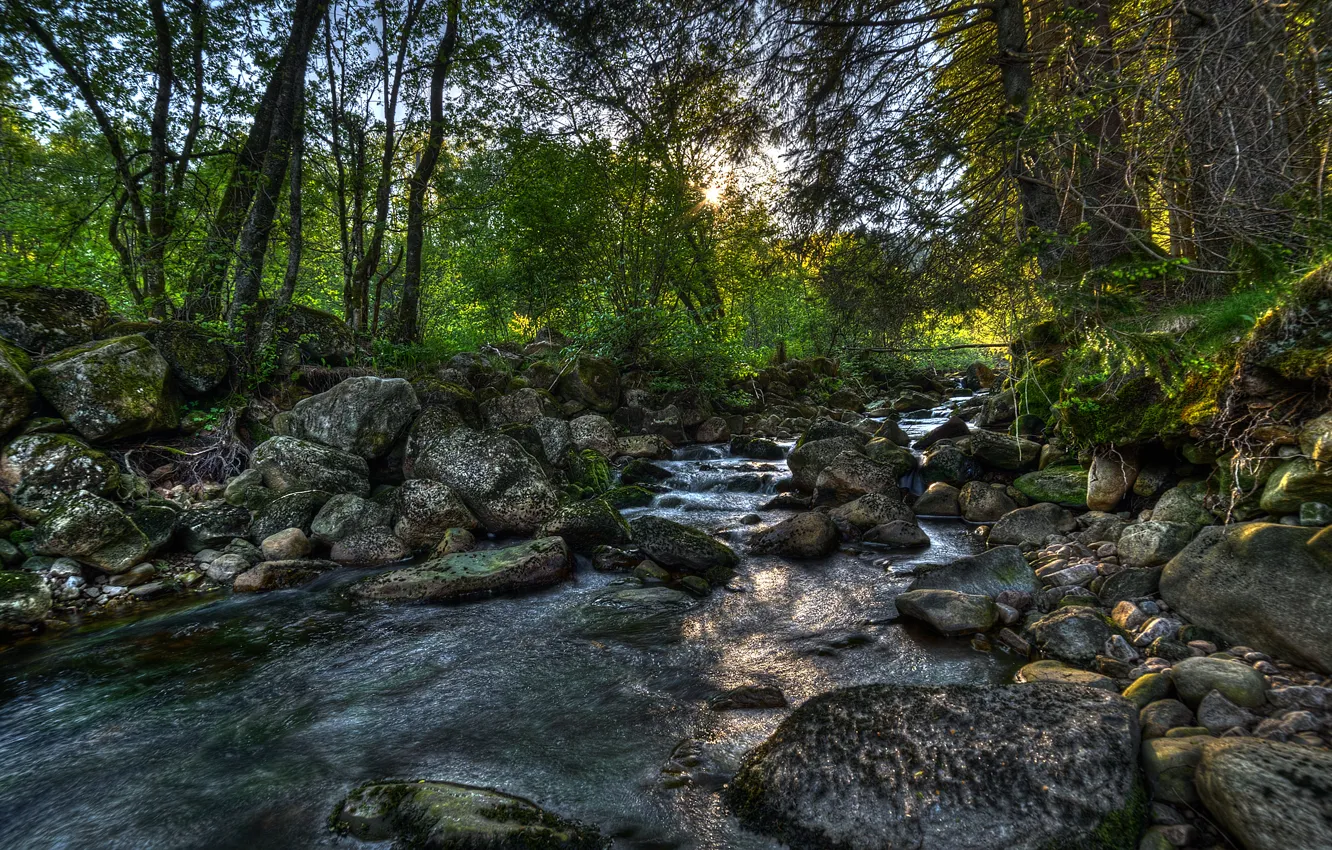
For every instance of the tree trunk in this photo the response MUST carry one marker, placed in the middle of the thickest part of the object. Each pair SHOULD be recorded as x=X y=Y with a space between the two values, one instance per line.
x=154 y=261
x=409 y=309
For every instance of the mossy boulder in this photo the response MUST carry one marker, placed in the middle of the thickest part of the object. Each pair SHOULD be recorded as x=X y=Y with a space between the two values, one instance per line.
x=110 y=389
x=628 y=496
x=989 y=573
x=305 y=335
x=433 y=392
x=290 y=510
x=1064 y=485
x=362 y=415
x=1001 y=451
x=1030 y=767
x=24 y=599
x=1296 y=481
x=502 y=484
x=16 y=391
x=45 y=319
x=211 y=525
x=807 y=535
x=593 y=383
x=810 y=458
x=528 y=566
x=683 y=549
x=588 y=471
x=93 y=531
x=289 y=464
x=587 y=525
x=346 y=514
x=448 y=816
x=1270 y=795
x=851 y=475
x=426 y=510
x=948 y=611
x=36 y=470
x=199 y=363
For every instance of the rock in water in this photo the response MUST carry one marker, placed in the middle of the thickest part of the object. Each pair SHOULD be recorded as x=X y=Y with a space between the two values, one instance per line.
x=1032 y=525
x=501 y=483
x=587 y=525
x=949 y=612
x=446 y=816
x=110 y=389
x=807 y=535
x=363 y=416
x=989 y=574
x=1262 y=585
x=538 y=563
x=1269 y=795
x=1017 y=767
x=682 y=548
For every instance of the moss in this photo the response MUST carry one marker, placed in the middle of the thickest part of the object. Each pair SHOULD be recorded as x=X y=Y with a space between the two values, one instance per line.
x=15 y=583
x=1120 y=829
x=589 y=471
x=631 y=496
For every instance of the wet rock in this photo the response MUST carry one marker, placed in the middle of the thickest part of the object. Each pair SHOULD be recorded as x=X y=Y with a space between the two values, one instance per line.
x=946 y=463
x=1074 y=635
x=748 y=697
x=446 y=816
x=24 y=599
x=1169 y=764
x=1151 y=544
x=807 y=535
x=587 y=525
x=757 y=448
x=632 y=496
x=629 y=611
x=949 y=612
x=1064 y=485
x=1296 y=481
x=809 y=459
x=346 y=514
x=111 y=389
x=501 y=484
x=951 y=429
x=898 y=533
x=16 y=391
x=373 y=547
x=363 y=416
x=990 y=573
x=982 y=502
x=527 y=566
x=294 y=510
x=888 y=453
x=289 y=464
x=891 y=431
x=455 y=540
x=1003 y=451
x=713 y=430
x=37 y=470
x=1160 y=716
x=224 y=568
x=1057 y=672
x=1271 y=796
x=1032 y=525
x=1196 y=677
x=1262 y=585
x=426 y=510
x=682 y=548
x=198 y=362
x=593 y=382
x=639 y=471
x=939 y=499
x=828 y=429
x=1030 y=766
x=93 y=531
x=45 y=319
x=279 y=575
x=851 y=475
x=650 y=446
x=211 y=524
x=1129 y=584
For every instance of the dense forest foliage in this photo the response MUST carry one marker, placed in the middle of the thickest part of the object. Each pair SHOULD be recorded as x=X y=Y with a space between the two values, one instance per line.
x=687 y=184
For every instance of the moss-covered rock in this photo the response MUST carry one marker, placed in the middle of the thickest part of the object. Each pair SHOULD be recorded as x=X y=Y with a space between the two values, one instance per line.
x=361 y=415
x=1064 y=485
x=587 y=525
x=110 y=389
x=16 y=391
x=447 y=816
x=537 y=563
x=593 y=383
x=684 y=549
x=24 y=599
x=45 y=319
x=36 y=470
x=1296 y=481
x=588 y=471
x=629 y=496
x=199 y=363
x=93 y=531
x=305 y=335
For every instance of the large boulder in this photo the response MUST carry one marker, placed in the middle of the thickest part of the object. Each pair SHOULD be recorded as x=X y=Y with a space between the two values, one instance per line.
x=45 y=319
x=36 y=470
x=851 y=475
x=346 y=514
x=594 y=432
x=592 y=383
x=809 y=459
x=521 y=407
x=501 y=484
x=290 y=510
x=304 y=335
x=211 y=525
x=110 y=389
x=363 y=416
x=16 y=391
x=948 y=611
x=951 y=429
x=1296 y=481
x=1029 y=767
x=289 y=464
x=945 y=463
x=198 y=361
x=858 y=516
x=1002 y=451
x=989 y=573
x=371 y=547
x=446 y=816
x=1151 y=544
x=93 y=531
x=757 y=448
x=1269 y=795
x=587 y=525
x=1195 y=678
x=1032 y=525
x=939 y=499
x=426 y=510
x=807 y=535
x=527 y=566
x=24 y=599
x=982 y=502
x=682 y=548
x=1262 y=585
x=1064 y=485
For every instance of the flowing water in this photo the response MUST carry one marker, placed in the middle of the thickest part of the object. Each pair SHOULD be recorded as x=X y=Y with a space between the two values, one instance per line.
x=241 y=721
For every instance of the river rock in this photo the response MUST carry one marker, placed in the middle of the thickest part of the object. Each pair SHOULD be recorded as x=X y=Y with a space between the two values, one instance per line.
x=1003 y=451
x=1218 y=714
x=289 y=464
x=1074 y=635
x=949 y=612
x=210 y=525
x=1262 y=585
x=1316 y=439
x=809 y=459
x=1296 y=481
x=346 y=514
x=945 y=462
x=293 y=510
x=898 y=534
x=1129 y=584
x=1169 y=765
x=593 y=382
x=1195 y=678
x=1160 y=716
x=501 y=484
x=988 y=574
x=371 y=547
x=287 y=544
x=1058 y=672
x=939 y=499
x=1111 y=477
x=527 y=566
x=630 y=611
x=756 y=448
x=649 y=446
x=93 y=531
x=982 y=502
x=587 y=525
x=426 y=510
x=886 y=452
x=45 y=319
x=829 y=429
x=1269 y=795
x=1064 y=485
x=110 y=389
x=951 y=429
x=279 y=575
x=363 y=416
x=199 y=363
x=522 y=407
x=594 y=432
x=1029 y=767
x=1032 y=525
x=713 y=430
x=1183 y=505
x=875 y=509
x=682 y=548
x=807 y=535
x=891 y=431
x=1152 y=543
x=16 y=391
x=447 y=816
x=24 y=599
x=37 y=470
x=851 y=475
